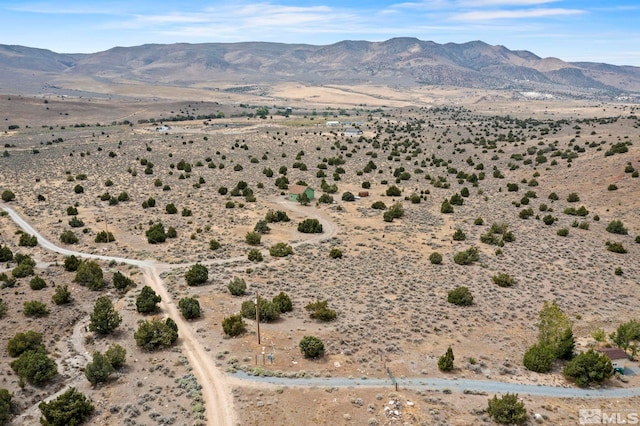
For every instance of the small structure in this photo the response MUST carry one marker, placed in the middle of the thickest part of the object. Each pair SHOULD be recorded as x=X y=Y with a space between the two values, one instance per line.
x=295 y=191
x=332 y=123
x=617 y=356
x=363 y=194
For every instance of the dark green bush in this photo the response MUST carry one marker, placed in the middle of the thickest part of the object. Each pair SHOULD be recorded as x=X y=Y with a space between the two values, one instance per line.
x=70 y=408
x=320 y=310
x=503 y=280
x=617 y=227
x=156 y=334
x=445 y=362
x=539 y=358
x=283 y=302
x=311 y=347
x=237 y=286
x=233 y=325
x=35 y=367
x=335 y=253
x=616 y=247
x=588 y=368
x=280 y=250
x=198 y=274
x=89 y=274
x=147 y=301
x=310 y=226
x=23 y=342
x=460 y=296
x=37 y=283
x=466 y=257
x=435 y=258
x=507 y=410
x=35 y=309
x=189 y=307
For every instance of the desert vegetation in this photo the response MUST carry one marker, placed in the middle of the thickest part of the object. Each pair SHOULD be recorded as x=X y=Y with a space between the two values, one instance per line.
x=456 y=244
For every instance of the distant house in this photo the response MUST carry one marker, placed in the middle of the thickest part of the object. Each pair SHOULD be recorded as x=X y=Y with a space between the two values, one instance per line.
x=617 y=356
x=295 y=191
x=352 y=131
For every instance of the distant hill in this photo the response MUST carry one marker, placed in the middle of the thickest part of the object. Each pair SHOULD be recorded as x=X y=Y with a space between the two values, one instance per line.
x=400 y=62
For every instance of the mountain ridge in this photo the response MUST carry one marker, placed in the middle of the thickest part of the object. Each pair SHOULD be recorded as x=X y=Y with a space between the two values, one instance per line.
x=403 y=61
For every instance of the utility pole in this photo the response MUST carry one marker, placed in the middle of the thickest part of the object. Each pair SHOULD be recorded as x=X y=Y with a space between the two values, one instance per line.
x=258 y=314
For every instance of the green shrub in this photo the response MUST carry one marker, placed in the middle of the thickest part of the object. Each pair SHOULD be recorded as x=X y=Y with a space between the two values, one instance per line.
x=280 y=250
x=446 y=207
x=268 y=310
x=335 y=253
x=7 y=196
x=539 y=357
x=27 y=240
x=116 y=355
x=273 y=216
x=171 y=208
x=62 y=295
x=68 y=237
x=573 y=198
x=393 y=191
x=617 y=227
x=325 y=199
x=616 y=247
x=237 y=286
x=588 y=368
x=348 y=196
x=35 y=309
x=156 y=334
x=104 y=318
x=35 y=367
x=23 y=342
x=478 y=221
x=147 y=301
x=311 y=347
x=507 y=410
x=214 y=245
x=6 y=255
x=70 y=408
x=435 y=258
x=320 y=310
x=255 y=255
x=460 y=296
x=253 y=238
x=5 y=406
x=99 y=369
x=233 y=325
x=459 y=235
x=466 y=257
x=189 y=307
x=310 y=226
x=156 y=234
x=121 y=282
x=378 y=205
x=262 y=227
x=503 y=280
x=563 y=232
x=283 y=302
x=196 y=275
x=89 y=274
x=445 y=362
x=37 y=283
x=104 y=237
x=549 y=220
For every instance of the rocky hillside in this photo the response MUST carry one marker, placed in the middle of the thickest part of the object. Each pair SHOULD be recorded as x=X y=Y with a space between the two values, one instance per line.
x=399 y=61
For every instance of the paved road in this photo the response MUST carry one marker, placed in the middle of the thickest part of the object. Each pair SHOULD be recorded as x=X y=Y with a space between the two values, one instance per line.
x=455 y=385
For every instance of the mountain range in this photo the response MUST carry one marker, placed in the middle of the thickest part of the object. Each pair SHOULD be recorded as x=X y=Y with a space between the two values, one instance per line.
x=401 y=62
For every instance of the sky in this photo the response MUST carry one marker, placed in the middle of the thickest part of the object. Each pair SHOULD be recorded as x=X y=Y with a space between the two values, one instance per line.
x=594 y=31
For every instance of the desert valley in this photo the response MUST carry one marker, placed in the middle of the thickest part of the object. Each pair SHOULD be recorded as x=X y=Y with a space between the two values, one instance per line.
x=525 y=197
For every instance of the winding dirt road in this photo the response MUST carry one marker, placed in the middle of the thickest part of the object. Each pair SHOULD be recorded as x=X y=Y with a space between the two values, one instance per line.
x=215 y=384
x=215 y=389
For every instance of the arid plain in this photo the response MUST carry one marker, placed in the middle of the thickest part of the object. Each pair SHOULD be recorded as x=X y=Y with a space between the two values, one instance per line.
x=391 y=301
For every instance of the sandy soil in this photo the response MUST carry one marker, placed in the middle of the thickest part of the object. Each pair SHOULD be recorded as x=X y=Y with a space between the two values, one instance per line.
x=391 y=302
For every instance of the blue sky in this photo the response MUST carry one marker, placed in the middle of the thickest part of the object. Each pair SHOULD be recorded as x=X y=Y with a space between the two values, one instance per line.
x=596 y=31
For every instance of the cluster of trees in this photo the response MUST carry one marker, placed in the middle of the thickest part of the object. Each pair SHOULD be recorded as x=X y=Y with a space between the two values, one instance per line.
x=555 y=340
x=32 y=363
x=102 y=365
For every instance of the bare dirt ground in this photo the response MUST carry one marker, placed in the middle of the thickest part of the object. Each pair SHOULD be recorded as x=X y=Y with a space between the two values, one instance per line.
x=391 y=302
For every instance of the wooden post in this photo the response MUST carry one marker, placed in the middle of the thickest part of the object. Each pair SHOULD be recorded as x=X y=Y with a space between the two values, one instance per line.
x=258 y=314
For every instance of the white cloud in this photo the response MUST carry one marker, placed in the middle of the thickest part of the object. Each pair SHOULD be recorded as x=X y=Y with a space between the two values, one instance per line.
x=514 y=14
